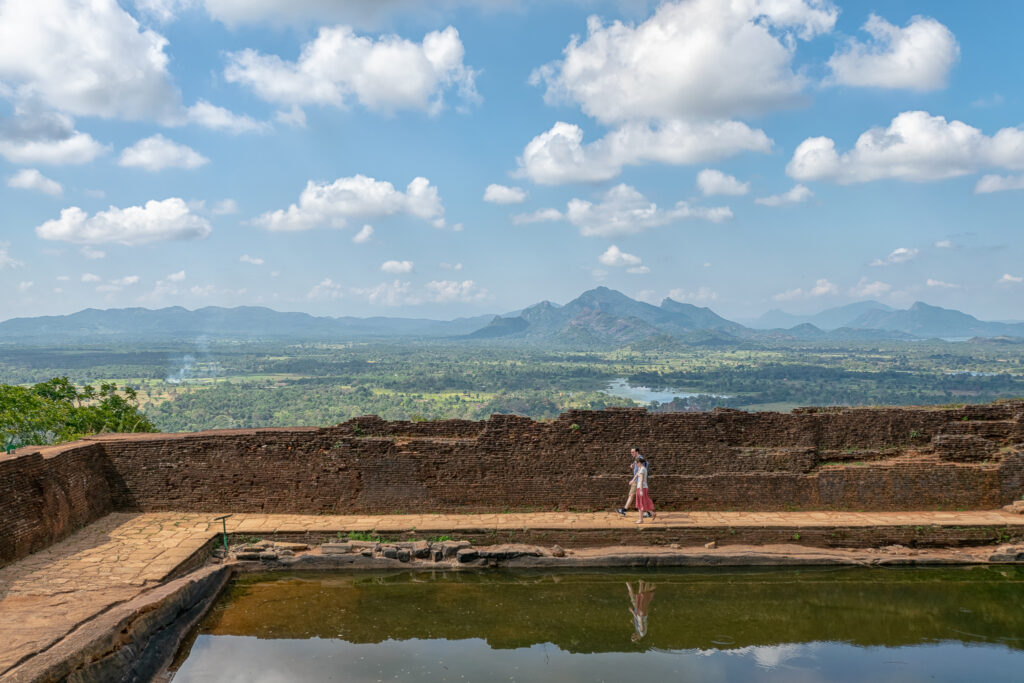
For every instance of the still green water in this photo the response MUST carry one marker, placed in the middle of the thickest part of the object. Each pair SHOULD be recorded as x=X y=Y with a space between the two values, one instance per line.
x=799 y=625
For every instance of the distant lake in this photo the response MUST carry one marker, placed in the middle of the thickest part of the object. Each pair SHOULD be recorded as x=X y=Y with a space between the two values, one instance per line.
x=621 y=388
x=974 y=373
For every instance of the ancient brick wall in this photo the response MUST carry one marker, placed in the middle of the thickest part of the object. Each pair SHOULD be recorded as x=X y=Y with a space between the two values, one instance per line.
x=44 y=497
x=854 y=459
x=850 y=459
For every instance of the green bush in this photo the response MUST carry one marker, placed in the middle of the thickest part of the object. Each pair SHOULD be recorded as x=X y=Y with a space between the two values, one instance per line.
x=57 y=411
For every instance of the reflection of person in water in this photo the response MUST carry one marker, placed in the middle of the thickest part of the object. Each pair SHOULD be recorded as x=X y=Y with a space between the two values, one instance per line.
x=639 y=605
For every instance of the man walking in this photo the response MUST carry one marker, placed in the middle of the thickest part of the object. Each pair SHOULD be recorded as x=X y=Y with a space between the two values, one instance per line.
x=633 y=453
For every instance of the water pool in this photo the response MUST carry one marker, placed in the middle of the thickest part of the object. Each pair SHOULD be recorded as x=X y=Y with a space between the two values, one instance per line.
x=912 y=624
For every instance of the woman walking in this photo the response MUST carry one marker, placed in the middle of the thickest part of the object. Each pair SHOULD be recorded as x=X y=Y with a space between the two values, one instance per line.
x=643 y=497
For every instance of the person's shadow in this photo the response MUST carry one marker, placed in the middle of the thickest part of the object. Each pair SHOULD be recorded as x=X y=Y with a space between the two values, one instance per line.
x=639 y=606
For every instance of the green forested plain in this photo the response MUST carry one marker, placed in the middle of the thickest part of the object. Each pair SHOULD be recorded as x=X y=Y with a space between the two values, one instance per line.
x=205 y=386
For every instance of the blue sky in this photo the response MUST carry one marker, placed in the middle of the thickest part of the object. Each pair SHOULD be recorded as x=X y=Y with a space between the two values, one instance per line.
x=757 y=154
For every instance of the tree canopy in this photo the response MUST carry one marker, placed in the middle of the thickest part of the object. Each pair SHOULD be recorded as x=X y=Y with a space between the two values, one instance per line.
x=56 y=411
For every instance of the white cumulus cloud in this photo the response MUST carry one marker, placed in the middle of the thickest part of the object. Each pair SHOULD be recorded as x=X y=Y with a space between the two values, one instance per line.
x=332 y=204
x=156 y=153
x=1008 y=279
x=210 y=116
x=36 y=137
x=822 y=287
x=125 y=281
x=364 y=235
x=254 y=260
x=870 y=288
x=444 y=291
x=394 y=293
x=916 y=146
x=93 y=254
x=896 y=256
x=32 y=179
x=712 y=181
x=704 y=59
x=560 y=156
x=90 y=277
x=538 y=216
x=86 y=58
x=325 y=289
x=797 y=195
x=338 y=66
x=623 y=210
x=400 y=293
x=6 y=260
x=294 y=116
x=998 y=183
x=396 y=266
x=940 y=284
x=169 y=219
x=501 y=194
x=163 y=10
x=225 y=207
x=613 y=256
x=916 y=57
x=177 y=277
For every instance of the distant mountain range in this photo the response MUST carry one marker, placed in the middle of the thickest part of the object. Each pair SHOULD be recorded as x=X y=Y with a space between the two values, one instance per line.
x=829 y=319
x=597 y=319
x=244 y=322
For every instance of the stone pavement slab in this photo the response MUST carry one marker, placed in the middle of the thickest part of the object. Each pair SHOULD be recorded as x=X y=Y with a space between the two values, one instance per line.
x=46 y=595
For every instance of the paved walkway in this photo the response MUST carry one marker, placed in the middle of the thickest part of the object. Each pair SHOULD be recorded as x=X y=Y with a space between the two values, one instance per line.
x=46 y=595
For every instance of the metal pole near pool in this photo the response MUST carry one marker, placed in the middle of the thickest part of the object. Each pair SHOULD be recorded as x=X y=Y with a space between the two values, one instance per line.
x=224 y=521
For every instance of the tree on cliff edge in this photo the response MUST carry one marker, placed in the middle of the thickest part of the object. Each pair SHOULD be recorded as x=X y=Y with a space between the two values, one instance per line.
x=56 y=411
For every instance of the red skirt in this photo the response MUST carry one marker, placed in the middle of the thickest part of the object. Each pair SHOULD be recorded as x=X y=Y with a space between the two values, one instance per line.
x=643 y=501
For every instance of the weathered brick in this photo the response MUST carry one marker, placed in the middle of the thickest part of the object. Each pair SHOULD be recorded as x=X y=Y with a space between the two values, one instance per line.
x=814 y=458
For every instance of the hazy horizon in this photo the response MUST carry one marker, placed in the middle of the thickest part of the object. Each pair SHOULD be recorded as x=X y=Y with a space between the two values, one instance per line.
x=749 y=322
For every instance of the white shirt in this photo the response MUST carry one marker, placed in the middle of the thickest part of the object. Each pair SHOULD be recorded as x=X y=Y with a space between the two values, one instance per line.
x=641 y=477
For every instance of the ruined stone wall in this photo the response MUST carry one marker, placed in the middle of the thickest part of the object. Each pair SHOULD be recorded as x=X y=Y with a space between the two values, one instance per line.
x=853 y=459
x=45 y=495
x=868 y=459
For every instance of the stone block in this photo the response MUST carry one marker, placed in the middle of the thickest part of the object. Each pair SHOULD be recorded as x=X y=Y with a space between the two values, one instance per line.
x=509 y=551
x=389 y=551
x=467 y=555
x=452 y=548
x=420 y=549
x=248 y=557
x=336 y=548
x=1007 y=553
x=294 y=547
x=404 y=555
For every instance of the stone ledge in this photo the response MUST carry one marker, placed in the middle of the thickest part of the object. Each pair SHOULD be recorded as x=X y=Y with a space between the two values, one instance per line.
x=133 y=640
x=780 y=555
